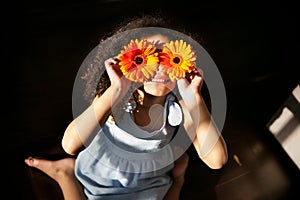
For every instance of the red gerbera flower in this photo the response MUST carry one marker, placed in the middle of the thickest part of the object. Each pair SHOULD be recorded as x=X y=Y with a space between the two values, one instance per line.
x=138 y=60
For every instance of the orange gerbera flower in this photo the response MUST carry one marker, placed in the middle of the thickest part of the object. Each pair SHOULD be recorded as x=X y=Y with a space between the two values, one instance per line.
x=177 y=58
x=138 y=60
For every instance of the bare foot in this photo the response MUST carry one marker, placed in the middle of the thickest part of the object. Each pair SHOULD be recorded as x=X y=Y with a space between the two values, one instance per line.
x=180 y=167
x=55 y=169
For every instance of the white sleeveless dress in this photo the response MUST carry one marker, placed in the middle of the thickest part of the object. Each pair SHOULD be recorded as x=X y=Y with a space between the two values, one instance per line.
x=129 y=162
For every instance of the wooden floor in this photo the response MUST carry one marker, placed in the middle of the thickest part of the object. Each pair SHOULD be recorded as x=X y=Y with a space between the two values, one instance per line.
x=49 y=41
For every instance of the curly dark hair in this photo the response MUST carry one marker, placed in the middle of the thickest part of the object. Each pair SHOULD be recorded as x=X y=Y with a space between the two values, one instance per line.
x=95 y=76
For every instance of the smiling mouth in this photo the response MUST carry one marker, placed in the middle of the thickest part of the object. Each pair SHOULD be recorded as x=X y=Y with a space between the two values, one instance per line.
x=159 y=80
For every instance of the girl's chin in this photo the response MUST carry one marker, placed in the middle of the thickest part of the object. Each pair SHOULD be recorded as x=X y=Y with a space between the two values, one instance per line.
x=159 y=89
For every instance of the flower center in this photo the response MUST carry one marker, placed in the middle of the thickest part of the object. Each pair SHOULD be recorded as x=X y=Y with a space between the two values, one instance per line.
x=139 y=60
x=176 y=60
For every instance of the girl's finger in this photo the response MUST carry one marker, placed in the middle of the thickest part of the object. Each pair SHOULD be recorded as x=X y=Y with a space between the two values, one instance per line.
x=110 y=62
x=182 y=84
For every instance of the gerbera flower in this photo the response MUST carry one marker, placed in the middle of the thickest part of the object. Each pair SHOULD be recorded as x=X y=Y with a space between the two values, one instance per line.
x=138 y=60
x=177 y=58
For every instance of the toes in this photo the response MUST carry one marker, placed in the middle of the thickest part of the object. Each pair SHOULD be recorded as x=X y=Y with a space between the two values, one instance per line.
x=29 y=161
x=32 y=162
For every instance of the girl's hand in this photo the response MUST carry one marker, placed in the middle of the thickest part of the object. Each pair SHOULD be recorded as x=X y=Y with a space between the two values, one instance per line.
x=117 y=79
x=189 y=87
x=191 y=102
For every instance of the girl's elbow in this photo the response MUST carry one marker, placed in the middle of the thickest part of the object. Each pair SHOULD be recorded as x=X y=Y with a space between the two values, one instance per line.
x=70 y=145
x=67 y=147
x=216 y=162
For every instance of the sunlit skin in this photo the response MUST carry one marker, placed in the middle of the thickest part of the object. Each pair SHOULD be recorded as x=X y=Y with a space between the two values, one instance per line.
x=160 y=84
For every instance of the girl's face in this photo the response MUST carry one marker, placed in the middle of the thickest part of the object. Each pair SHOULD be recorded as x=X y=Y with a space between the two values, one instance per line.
x=160 y=84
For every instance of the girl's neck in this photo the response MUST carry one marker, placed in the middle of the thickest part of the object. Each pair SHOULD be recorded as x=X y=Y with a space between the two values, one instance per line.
x=149 y=112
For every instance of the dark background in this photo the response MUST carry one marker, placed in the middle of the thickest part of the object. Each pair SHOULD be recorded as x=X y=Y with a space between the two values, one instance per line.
x=254 y=45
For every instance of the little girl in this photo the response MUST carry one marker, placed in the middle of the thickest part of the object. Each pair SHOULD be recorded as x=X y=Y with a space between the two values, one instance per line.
x=127 y=152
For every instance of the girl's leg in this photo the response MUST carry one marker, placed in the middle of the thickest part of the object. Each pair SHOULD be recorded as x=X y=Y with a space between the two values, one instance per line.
x=178 y=173
x=62 y=171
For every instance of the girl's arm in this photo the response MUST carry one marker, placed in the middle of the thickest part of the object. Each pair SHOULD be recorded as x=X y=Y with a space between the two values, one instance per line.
x=200 y=126
x=81 y=131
